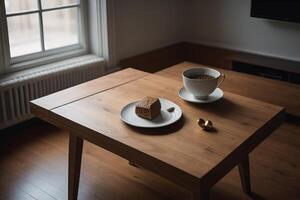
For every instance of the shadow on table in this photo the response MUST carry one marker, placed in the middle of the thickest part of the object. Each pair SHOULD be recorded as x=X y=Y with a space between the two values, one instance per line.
x=223 y=107
x=160 y=131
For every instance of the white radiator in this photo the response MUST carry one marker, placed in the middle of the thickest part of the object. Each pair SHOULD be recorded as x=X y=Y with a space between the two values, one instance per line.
x=16 y=90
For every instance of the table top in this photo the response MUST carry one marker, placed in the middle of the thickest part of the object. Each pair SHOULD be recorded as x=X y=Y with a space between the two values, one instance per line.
x=182 y=152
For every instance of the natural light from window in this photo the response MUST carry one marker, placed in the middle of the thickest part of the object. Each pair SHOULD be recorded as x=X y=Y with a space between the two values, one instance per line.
x=40 y=25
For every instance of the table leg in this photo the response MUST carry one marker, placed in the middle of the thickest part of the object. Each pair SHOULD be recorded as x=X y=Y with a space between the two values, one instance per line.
x=244 y=170
x=201 y=195
x=75 y=155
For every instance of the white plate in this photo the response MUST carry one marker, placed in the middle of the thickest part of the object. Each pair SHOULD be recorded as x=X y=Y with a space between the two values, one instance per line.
x=187 y=96
x=164 y=119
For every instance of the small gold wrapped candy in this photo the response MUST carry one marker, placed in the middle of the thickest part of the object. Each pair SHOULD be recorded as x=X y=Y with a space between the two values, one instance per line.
x=206 y=125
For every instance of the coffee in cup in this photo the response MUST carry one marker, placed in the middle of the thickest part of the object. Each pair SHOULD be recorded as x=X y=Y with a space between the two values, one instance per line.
x=202 y=81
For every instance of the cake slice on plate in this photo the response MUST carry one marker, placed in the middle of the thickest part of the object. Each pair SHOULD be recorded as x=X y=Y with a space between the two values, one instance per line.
x=148 y=108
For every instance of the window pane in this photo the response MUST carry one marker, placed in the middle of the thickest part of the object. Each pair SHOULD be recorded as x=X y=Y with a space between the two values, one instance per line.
x=24 y=34
x=57 y=3
x=60 y=28
x=13 y=6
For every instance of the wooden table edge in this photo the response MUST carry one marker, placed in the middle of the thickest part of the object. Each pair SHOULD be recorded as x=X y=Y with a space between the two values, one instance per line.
x=243 y=150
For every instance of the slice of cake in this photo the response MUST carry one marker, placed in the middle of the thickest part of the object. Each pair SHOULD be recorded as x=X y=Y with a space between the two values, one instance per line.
x=148 y=108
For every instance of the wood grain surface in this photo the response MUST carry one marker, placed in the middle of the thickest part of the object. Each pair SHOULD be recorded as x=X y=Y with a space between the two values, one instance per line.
x=42 y=105
x=88 y=88
x=272 y=91
x=183 y=153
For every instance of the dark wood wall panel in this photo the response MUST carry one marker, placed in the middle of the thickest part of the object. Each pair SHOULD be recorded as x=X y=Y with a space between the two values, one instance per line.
x=156 y=60
x=206 y=55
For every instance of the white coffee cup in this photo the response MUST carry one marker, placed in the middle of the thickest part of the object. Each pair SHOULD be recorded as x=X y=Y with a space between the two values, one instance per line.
x=201 y=88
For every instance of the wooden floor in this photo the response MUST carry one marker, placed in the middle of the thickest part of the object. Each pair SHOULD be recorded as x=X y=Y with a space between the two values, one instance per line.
x=33 y=165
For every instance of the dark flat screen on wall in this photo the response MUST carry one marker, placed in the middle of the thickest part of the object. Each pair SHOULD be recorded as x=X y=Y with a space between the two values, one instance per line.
x=286 y=10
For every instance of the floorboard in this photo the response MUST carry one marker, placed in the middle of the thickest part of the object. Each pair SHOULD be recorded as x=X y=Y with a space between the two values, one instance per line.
x=33 y=166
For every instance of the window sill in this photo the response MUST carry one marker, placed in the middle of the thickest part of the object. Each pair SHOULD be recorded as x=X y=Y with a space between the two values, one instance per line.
x=40 y=60
x=55 y=67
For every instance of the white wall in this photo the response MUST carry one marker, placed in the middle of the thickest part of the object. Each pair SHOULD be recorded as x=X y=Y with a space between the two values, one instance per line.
x=227 y=23
x=144 y=25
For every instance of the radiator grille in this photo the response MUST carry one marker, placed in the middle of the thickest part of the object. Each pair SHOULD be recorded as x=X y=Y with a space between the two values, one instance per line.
x=18 y=89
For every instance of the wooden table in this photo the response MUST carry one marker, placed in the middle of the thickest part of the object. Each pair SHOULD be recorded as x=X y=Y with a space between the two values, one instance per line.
x=182 y=153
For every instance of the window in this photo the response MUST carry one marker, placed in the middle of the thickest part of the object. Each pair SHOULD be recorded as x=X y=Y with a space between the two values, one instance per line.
x=42 y=29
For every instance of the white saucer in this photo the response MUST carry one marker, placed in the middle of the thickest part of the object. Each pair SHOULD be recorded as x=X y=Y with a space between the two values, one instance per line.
x=187 y=96
x=164 y=119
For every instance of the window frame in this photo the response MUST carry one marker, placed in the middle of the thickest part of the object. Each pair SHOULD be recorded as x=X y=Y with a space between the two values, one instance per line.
x=45 y=56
